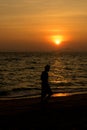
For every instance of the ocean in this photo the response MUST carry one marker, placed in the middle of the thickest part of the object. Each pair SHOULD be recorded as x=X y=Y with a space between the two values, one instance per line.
x=20 y=73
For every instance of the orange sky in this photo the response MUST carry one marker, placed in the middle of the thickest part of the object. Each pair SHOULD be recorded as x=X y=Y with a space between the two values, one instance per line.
x=27 y=25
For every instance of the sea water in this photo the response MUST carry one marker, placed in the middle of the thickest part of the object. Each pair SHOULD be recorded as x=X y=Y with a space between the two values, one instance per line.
x=20 y=73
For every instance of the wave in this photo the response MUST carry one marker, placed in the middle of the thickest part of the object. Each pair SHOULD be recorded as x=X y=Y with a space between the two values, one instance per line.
x=24 y=89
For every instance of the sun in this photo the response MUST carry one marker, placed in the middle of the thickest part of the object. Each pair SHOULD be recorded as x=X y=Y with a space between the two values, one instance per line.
x=57 y=42
x=57 y=39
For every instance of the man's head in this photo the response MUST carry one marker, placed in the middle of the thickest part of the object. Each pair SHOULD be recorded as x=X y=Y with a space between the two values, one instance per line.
x=47 y=68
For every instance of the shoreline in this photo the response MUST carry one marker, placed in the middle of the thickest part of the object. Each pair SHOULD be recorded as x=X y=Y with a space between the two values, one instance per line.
x=55 y=94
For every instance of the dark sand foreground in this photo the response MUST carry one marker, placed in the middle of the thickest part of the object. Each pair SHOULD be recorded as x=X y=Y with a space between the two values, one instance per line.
x=60 y=113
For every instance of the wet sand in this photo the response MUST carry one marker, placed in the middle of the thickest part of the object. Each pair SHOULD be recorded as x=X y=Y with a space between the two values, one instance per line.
x=61 y=112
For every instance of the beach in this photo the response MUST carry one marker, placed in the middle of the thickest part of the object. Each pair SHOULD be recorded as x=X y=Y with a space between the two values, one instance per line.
x=61 y=112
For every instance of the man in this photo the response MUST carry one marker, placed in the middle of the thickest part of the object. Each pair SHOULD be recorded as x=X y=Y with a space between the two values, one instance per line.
x=45 y=90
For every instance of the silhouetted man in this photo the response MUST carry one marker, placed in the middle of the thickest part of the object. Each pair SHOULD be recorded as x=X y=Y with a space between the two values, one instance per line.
x=45 y=90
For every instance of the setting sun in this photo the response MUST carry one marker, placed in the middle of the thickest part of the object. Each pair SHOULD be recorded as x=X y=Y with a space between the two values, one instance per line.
x=57 y=42
x=57 y=39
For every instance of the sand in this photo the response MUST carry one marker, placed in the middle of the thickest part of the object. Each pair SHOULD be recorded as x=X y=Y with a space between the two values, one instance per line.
x=61 y=112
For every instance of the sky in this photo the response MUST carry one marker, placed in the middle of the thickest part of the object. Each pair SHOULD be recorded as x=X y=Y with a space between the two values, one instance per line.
x=37 y=25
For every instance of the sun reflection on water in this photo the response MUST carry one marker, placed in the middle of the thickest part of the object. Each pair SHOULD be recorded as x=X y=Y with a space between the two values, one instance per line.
x=60 y=94
x=57 y=74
